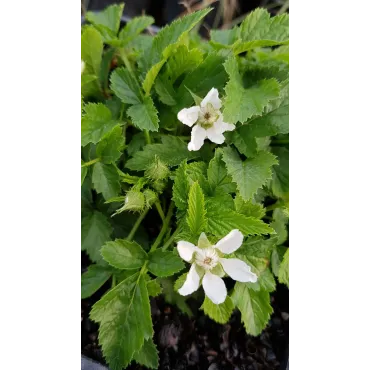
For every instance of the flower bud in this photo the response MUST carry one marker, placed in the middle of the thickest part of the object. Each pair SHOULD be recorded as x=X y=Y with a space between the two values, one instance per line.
x=157 y=170
x=134 y=201
x=150 y=197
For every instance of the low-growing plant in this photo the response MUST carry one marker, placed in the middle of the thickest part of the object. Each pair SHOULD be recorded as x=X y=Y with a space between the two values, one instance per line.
x=190 y=138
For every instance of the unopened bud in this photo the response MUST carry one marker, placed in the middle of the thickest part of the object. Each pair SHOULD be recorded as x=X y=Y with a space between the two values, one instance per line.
x=157 y=170
x=150 y=197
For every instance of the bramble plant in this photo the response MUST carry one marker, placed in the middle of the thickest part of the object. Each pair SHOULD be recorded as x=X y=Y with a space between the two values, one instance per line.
x=190 y=137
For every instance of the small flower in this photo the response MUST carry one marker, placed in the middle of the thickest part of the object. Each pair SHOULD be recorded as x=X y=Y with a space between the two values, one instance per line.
x=82 y=66
x=208 y=121
x=208 y=265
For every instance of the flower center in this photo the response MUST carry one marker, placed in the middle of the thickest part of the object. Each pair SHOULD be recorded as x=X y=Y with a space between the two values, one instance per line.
x=208 y=116
x=206 y=258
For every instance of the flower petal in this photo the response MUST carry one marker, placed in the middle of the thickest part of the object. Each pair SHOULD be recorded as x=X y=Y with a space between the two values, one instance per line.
x=214 y=135
x=214 y=287
x=191 y=283
x=188 y=116
x=186 y=250
x=238 y=270
x=198 y=134
x=231 y=242
x=212 y=97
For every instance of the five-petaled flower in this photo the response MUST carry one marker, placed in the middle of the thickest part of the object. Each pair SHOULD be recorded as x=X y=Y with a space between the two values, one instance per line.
x=209 y=264
x=208 y=121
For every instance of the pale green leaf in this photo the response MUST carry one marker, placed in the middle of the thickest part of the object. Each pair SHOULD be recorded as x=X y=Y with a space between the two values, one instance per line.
x=123 y=254
x=152 y=75
x=134 y=27
x=224 y=37
x=125 y=86
x=154 y=288
x=172 y=152
x=125 y=322
x=249 y=208
x=110 y=147
x=218 y=312
x=180 y=187
x=267 y=281
x=254 y=306
x=241 y=103
x=144 y=115
x=106 y=180
x=96 y=122
x=196 y=216
x=147 y=355
x=91 y=50
x=284 y=269
x=251 y=174
x=95 y=231
x=93 y=279
x=164 y=263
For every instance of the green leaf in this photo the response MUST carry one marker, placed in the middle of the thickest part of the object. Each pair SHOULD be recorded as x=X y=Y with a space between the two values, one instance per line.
x=266 y=281
x=251 y=174
x=217 y=175
x=134 y=27
x=279 y=223
x=249 y=208
x=165 y=91
x=106 y=180
x=254 y=306
x=110 y=147
x=196 y=216
x=107 y=21
x=123 y=313
x=172 y=35
x=136 y=144
x=172 y=297
x=180 y=188
x=96 y=122
x=284 y=269
x=83 y=172
x=152 y=75
x=91 y=50
x=164 y=263
x=144 y=115
x=123 y=254
x=93 y=279
x=125 y=86
x=224 y=37
x=172 y=152
x=147 y=355
x=241 y=103
x=277 y=256
x=95 y=231
x=218 y=312
x=154 y=288
x=280 y=176
x=259 y=30
x=222 y=220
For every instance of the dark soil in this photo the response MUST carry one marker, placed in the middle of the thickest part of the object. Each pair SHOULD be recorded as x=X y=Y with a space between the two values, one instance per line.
x=199 y=343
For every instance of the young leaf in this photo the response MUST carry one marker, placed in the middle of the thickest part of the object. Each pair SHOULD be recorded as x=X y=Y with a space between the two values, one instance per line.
x=134 y=27
x=93 y=279
x=147 y=355
x=123 y=254
x=240 y=103
x=172 y=152
x=152 y=75
x=222 y=220
x=95 y=231
x=164 y=263
x=125 y=86
x=154 y=288
x=106 y=180
x=284 y=269
x=110 y=147
x=251 y=174
x=91 y=50
x=144 y=115
x=180 y=188
x=218 y=312
x=196 y=216
x=249 y=208
x=254 y=306
x=96 y=122
x=123 y=313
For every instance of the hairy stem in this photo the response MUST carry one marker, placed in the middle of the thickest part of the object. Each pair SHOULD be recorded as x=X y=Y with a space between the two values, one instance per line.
x=90 y=162
x=137 y=224
x=164 y=228
x=160 y=210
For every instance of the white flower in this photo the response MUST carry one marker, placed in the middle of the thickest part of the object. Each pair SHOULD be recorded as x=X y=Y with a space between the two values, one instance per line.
x=208 y=121
x=82 y=66
x=208 y=263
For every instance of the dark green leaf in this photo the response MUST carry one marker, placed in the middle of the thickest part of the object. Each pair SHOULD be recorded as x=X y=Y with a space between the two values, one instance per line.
x=148 y=355
x=125 y=86
x=93 y=279
x=144 y=115
x=164 y=263
x=110 y=147
x=106 y=180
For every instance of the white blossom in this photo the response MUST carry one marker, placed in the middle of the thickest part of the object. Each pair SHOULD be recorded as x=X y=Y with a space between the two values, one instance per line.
x=208 y=265
x=207 y=121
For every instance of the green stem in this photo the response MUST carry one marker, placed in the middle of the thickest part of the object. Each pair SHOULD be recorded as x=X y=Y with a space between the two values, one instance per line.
x=147 y=137
x=160 y=210
x=137 y=224
x=170 y=240
x=127 y=63
x=164 y=228
x=90 y=162
x=113 y=281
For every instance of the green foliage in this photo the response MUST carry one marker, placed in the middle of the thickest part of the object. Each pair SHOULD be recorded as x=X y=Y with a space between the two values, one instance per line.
x=142 y=190
x=123 y=254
